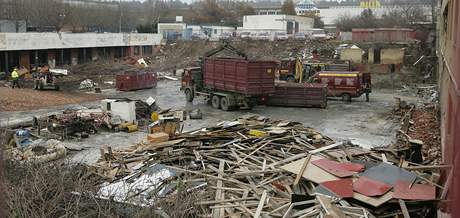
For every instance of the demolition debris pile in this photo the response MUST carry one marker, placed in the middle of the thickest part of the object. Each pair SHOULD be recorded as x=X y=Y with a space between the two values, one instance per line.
x=254 y=166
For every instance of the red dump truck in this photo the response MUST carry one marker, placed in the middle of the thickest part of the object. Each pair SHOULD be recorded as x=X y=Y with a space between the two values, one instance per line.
x=230 y=83
x=345 y=84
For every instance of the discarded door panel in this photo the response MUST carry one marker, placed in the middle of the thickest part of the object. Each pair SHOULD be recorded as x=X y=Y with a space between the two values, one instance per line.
x=136 y=81
x=403 y=190
x=341 y=187
x=299 y=95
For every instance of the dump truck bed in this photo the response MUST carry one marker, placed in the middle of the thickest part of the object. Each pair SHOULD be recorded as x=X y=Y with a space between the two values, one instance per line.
x=239 y=76
x=299 y=95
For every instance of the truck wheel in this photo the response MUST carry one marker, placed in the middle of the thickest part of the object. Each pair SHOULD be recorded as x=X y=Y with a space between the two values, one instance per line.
x=188 y=95
x=346 y=97
x=367 y=96
x=215 y=101
x=224 y=104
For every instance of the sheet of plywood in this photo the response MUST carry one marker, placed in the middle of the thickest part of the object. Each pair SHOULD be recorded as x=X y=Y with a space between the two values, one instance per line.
x=317 y=175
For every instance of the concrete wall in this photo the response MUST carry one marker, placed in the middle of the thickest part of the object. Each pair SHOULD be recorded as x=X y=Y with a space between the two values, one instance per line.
x=355 y=55
x=392 y=56
x=345 y=36
x=37 y=41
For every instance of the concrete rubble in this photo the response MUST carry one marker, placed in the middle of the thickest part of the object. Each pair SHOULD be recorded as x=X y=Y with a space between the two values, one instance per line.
x=255 y=166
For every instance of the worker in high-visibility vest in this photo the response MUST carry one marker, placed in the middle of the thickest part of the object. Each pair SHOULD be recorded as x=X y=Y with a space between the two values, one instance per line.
x=15 y=78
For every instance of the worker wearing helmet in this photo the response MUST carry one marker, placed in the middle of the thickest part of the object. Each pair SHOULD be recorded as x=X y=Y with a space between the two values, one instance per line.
x=15 y=78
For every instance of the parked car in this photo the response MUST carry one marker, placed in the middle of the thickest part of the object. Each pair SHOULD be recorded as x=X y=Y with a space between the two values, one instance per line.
x=281 y=36
x=254 y=36
x=263 y=36
x=319 y=34
x=226 y=36
x=199 y=36
x=245 y=35
x=300 y=36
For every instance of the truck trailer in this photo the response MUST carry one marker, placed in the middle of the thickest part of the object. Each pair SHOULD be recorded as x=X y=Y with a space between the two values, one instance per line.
x=230 y=83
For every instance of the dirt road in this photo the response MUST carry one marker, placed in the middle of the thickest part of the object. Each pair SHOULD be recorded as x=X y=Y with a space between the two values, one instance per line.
x=28 y=99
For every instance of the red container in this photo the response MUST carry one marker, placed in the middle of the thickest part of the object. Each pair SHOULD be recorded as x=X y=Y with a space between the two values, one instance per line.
x=136 y=81
x=299 y=95
x=240 y=76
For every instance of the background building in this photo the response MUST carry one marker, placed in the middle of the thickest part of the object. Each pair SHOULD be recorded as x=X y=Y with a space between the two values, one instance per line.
x=277 y=23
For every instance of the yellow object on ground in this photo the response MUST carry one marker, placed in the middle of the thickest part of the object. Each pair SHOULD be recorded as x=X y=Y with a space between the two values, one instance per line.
x=132 y=128
x=257 y=133
x=154 y=116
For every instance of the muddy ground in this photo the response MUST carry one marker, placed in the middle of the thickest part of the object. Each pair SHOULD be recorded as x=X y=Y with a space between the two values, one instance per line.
x=366 y=123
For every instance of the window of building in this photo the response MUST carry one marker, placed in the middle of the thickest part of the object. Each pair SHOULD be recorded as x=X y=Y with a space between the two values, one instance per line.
x=147 y=50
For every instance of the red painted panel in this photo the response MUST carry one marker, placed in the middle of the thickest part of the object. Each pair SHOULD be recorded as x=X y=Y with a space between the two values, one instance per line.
x=416 y=192
x=337 y=168
x=370 y=187
x=341 y=187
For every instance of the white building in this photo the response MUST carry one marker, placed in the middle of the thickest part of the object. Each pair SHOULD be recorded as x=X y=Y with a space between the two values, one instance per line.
x=306 y=7
x=289 y=24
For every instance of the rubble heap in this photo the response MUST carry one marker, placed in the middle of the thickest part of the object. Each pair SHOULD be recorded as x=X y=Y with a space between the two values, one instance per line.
x=255 y=166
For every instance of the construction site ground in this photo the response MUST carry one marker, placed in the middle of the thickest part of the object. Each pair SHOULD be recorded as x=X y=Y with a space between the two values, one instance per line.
x=369 y=124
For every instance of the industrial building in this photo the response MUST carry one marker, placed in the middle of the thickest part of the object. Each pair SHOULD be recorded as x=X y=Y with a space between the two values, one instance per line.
x=57 y=49
x=277 y=23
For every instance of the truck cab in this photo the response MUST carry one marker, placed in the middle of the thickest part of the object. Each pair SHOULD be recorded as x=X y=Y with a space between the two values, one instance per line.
x=345 y=84
x=191 y=81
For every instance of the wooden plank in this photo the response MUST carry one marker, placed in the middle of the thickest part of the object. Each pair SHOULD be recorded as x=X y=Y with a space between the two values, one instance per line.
x=330 y=208
x=225 y=201
x=302 y=170
x=216 y=213
x=404 y=210
x=261 y=204
x=326 y=148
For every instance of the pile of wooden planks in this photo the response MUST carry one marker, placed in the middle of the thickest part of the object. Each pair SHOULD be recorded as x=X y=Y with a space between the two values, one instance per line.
x=255 y=166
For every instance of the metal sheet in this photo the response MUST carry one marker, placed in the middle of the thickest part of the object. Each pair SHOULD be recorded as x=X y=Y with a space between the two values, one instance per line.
x=370 y=187
x=337 y=168
x=389 y=174
x=341 y=187
x=416 y=192
x=323 y=190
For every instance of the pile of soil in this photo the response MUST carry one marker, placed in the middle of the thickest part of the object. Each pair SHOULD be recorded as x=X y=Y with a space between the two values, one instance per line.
x=29 y=99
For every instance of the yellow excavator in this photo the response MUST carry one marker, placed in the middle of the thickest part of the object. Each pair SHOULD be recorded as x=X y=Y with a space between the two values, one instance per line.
x=292 y=70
